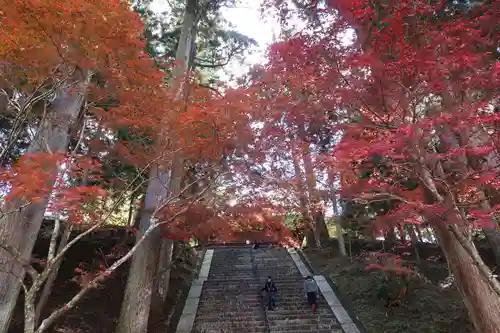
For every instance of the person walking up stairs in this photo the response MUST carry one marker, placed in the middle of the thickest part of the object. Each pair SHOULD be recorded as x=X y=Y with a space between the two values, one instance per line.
x=272 y=291
x=311 y=291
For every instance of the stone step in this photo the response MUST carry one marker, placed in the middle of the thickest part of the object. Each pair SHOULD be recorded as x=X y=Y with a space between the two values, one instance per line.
x=278 y=314
x=291 y=310
x=254 y=308
x=299 y=322
x=231 y=285
x=223 y=329
x=305 y=328
x=254 y=299
x=236 y=321
x=306 y=314
x=282 y=269
x=212 y=292
x=237 y=308
x=298 y=301
x=283 y=266
x=320 y=323
x=209 y=327
x=247 y=280
x=222 y=266
x=283 y=302
x=230 y=276
x=230 y=316
x=230 y=293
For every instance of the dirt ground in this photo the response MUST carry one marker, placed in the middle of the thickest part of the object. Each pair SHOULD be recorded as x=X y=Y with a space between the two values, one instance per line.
x=431 y=306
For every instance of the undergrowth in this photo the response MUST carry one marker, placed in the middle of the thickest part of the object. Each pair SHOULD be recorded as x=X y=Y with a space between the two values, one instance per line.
x=427 y=307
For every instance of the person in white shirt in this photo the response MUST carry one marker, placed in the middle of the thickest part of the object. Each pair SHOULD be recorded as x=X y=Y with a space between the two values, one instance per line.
x=311 y=291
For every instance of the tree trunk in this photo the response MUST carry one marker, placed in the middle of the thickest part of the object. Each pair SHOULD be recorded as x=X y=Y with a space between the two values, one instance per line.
x=414 y=240
x=479 y=298
x=167 y=245
x=420 y=239
x=20 y=226
x=390 y=236
x=311 y=239
x=321 y=230
x=310 y=236
x=132 y=210
x=163 y=276
x=477 y=137
x=338 y=227
x=340 y=239
x=136 y=305
x=401 y=232
x=493 y=238
x=474 y=280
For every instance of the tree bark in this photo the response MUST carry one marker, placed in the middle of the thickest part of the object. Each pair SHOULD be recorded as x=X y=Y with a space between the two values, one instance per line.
x=492 y=235
x=310 y=236
x=401 y=232
x=420 y=239
x=338 y=227
x=20 y=226
x=390 y=236
x=162 y=282
x=414 y=240
x=483 y=304
x=321 y=231
x=477 y=137
x=136 y=305
x=474 y=280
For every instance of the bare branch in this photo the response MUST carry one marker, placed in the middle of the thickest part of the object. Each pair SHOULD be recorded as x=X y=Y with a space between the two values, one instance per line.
x=94 y=282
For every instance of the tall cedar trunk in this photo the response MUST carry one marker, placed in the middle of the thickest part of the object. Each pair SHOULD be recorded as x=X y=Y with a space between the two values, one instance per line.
x=165 y=259
x=167 y=245
x=390 y=235
x=338 y=227
x=492 y=235
x=132 y=210
x=321 y=231
x=184 y=54
x=414 y=240
x=310 y=237
x=160 y=291
x=136 y=305
x=401 y=232
x=420 y=239
x=20 y=228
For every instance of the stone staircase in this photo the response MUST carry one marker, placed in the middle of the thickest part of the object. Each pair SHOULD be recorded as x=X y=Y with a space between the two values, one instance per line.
x=293 y=313
x=227 y=297
x=230 y=300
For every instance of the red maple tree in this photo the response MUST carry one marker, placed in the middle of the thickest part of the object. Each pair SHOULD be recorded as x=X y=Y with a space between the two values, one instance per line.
x=414 y=102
